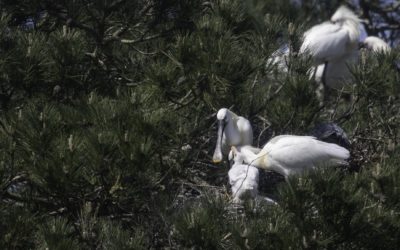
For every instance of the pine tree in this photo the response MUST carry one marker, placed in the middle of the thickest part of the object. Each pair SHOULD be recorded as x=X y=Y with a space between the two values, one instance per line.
x=107 y=128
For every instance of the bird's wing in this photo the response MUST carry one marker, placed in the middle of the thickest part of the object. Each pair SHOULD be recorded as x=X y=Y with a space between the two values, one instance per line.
x=325 y=42
x=247 y=148
x=234 y=174
x=324 y=28
x=283 y=141
x=305 y=152
x=246 y=131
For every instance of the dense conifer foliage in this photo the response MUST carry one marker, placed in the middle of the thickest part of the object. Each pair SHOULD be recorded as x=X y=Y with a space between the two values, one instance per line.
x=107 y=128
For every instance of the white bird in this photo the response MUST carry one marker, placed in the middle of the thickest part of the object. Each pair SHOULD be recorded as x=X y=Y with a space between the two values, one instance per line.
x=376 y=44
x=246 y=148
x=233 y=130
x=291 y=154
x=243 y=179
x=332 y=40
x=333 y=47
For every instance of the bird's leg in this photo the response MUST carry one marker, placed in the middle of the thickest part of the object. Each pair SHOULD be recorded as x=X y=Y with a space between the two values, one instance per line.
x=326 y=91
x=320 y=88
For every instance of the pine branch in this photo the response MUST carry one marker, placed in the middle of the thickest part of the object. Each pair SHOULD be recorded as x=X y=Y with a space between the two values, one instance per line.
x=18 y=198
x=142 y=39
x=62 y=14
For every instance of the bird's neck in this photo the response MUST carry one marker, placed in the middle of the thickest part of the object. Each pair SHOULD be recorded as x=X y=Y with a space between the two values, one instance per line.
x=353 y=26
x=232 y=115
x=257 y=160
x=232 y=134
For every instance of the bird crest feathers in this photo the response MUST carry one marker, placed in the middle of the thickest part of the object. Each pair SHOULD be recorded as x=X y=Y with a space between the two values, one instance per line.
x=343 y=13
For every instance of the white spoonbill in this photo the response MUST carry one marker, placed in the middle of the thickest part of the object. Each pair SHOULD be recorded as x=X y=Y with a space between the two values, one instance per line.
x=332 y=40
x=375 y=44
x=233 y=130
x=291 y=154
x=333 y=46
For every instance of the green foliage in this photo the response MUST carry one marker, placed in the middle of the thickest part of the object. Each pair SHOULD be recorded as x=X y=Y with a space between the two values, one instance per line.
x=107 y=128
x=203 y=225
x=17 y=227
x=325 y=209
x=56 y=234
x=112 y=237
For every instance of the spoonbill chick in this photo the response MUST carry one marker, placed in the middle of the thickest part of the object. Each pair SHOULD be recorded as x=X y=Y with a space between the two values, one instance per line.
x=233 y=130
x=231 y=156
x=375 y=44
x=243 y=179
x=291 y=154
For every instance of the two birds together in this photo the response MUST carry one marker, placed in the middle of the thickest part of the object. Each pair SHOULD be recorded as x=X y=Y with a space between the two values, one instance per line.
x=284 y=154
x=334 y=46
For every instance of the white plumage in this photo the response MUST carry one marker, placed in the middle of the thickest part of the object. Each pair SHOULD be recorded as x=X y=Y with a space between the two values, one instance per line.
x=243 y=179
x=291 y=154
x=332 y=40
x=338 y=74
x=247 y=148
x=325 y=42
x=333 y=47
x=233 y=130
x=376 y=44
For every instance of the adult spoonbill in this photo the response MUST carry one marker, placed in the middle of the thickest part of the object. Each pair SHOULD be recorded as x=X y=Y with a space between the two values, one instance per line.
x=233 y=130
x=292 y=154
x=333 y=46
x=375 y=44
x=332 y=40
